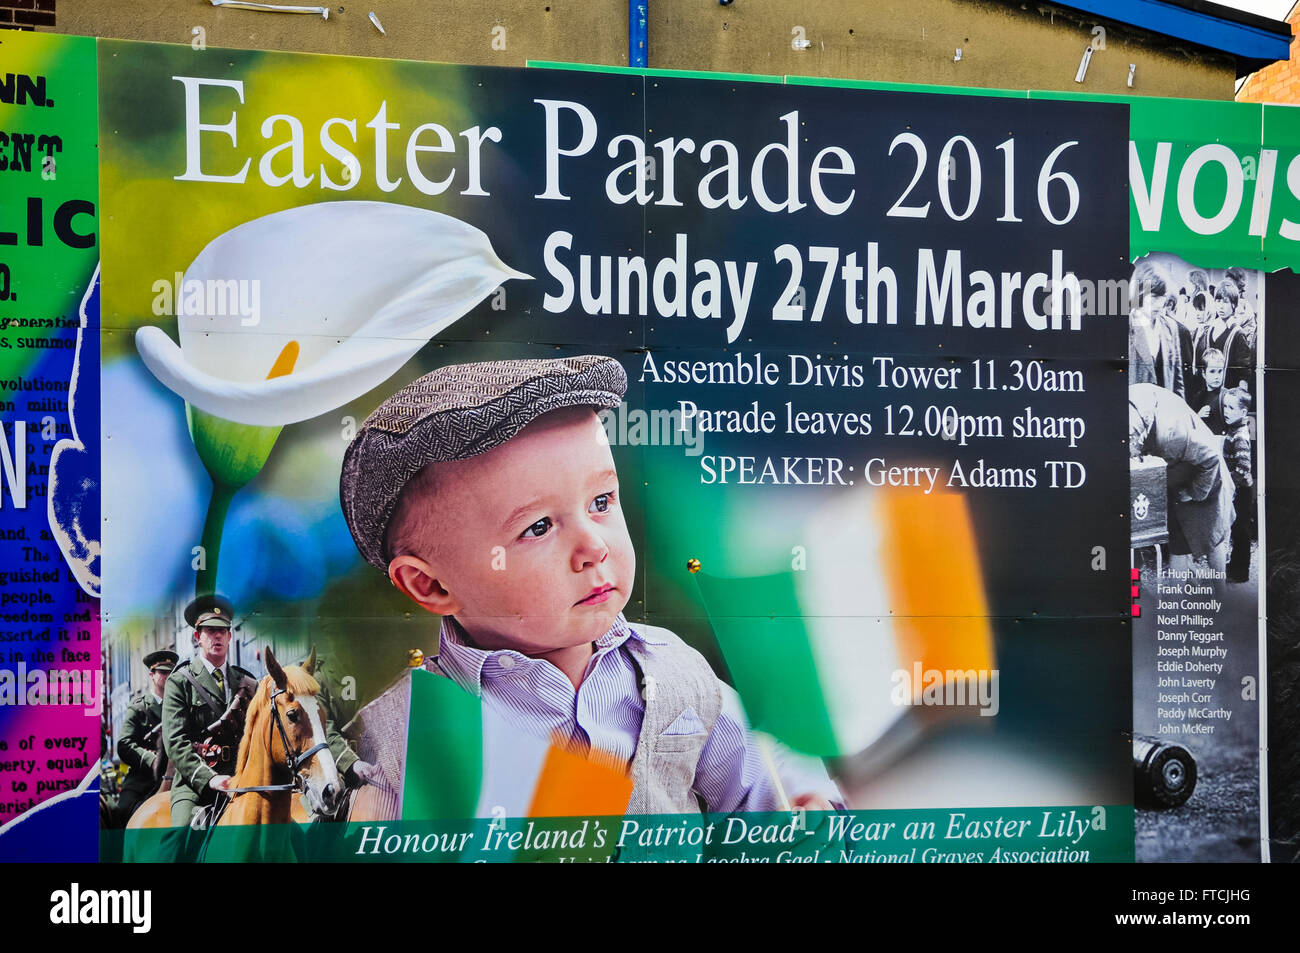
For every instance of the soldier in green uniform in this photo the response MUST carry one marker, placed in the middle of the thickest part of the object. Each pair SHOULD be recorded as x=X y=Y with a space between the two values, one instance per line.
x=138 y=746
x=198 y=693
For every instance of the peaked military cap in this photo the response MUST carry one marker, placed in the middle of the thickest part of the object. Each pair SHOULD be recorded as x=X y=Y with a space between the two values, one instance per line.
x=454 y=413
x=212 y=611
x=162 y=659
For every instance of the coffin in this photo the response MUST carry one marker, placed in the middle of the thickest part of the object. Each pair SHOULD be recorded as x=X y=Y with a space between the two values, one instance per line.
x=1148 y=501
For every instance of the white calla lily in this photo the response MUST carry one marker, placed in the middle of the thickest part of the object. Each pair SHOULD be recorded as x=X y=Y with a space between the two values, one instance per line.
x=347 y=292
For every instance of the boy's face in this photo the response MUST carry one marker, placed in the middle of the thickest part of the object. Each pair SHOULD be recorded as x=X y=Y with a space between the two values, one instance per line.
x=1233 y=412
x=1213 y=375
x=532 y=545
x=1224 y=307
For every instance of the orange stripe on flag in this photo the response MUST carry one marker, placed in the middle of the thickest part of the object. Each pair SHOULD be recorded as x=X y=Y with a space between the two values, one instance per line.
x=572 y=786
x=936 y=590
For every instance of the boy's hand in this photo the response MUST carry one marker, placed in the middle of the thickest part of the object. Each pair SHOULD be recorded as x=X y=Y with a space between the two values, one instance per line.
x=811 y=802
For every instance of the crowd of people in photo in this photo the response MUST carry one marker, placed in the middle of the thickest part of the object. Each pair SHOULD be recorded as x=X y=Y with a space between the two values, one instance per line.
x=1192 y=345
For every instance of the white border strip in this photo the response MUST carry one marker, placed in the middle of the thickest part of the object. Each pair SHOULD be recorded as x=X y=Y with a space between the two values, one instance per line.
x=1262 y=581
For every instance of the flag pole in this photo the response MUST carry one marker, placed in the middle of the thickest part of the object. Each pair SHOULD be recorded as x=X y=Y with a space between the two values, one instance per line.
x=765 y=749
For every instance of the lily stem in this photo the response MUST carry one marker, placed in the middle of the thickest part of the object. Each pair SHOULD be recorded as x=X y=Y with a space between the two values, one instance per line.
x=205 y=583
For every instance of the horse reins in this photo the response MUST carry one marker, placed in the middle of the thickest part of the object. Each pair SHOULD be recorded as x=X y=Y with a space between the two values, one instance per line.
x=294 y=761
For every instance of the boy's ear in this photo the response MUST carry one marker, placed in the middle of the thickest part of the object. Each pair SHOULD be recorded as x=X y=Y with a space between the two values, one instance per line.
x=418 y=582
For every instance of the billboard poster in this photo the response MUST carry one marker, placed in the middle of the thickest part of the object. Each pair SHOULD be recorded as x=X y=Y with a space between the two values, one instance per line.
x=50 y=678
x=541 y=464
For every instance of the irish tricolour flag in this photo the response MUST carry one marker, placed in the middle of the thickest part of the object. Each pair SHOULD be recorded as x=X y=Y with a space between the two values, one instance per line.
x=887 y=602
x=462 y=760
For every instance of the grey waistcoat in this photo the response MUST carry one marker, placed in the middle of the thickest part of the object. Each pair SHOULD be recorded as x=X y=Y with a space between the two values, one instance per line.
x=674 y=677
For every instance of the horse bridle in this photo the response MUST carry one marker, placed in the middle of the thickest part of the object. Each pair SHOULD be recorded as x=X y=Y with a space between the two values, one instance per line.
x=293 y=761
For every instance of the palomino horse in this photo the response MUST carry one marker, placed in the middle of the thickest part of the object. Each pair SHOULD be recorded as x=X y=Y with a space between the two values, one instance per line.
x=154 y=811
x=283 y=750
x=262 y=759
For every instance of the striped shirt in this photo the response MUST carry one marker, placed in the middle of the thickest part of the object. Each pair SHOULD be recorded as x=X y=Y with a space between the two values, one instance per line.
x=605 y=711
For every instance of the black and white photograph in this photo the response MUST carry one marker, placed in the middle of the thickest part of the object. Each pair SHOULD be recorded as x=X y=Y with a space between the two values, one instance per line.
x=1193 y=339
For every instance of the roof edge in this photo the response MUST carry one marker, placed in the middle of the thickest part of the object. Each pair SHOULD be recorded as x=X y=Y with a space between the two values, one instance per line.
x=1254 y=40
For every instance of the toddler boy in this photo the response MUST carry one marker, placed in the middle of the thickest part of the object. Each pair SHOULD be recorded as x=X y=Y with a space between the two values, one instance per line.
x=488 y=494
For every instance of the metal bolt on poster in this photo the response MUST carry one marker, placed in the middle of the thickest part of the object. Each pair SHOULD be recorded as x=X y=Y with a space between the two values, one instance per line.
x=541 y=464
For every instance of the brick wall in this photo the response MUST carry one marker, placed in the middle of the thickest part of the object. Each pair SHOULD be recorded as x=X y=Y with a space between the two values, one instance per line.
x=1279 y=83
x=26 y=14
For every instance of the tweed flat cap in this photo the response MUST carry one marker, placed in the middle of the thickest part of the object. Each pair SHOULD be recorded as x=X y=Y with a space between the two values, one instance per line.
x=453 y=413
